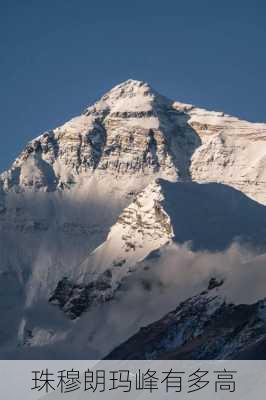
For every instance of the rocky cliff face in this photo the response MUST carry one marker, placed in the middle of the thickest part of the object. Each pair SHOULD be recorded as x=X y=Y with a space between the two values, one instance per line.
x=85 y=203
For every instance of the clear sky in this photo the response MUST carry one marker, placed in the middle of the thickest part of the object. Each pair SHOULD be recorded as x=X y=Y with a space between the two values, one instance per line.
x=57 y=56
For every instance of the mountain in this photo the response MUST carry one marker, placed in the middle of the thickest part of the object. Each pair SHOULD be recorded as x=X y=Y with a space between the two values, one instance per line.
x=87 y=204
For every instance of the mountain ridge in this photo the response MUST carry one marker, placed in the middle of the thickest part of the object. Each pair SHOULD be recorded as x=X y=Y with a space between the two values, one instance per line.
x=205 y=326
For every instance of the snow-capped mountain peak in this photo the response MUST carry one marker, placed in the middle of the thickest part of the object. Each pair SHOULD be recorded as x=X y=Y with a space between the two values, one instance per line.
x=129 y=96
x=134 y=132
x=131 y=130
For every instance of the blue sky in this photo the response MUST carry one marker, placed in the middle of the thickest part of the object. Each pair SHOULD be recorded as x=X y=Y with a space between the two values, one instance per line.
x=57 y=56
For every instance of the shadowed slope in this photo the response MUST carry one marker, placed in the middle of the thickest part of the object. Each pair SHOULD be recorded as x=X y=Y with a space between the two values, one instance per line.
x=213 y=215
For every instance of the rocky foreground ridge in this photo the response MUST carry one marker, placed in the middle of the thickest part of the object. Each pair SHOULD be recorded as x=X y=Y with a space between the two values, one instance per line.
x=204 y=327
